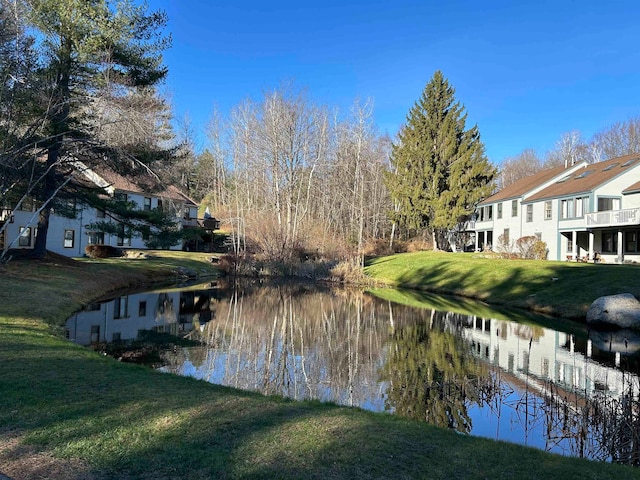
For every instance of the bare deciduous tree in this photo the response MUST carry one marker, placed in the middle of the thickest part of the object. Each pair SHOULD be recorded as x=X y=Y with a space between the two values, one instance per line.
x=621 y=138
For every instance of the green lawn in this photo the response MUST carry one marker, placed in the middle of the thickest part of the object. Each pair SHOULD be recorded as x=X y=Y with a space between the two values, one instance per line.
x=557 y=288
x=68 y=412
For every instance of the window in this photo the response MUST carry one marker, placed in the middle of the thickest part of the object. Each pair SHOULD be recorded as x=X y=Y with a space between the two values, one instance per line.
x=95 y=333
x=187 y=213
x=124 y=236
x=548 y=212
x=120 y=197
x=116 y=337
x=142 y=309
x=574 y=207
x=514 y=208
x=147 y=203
x=579 y=208
x=570 y=210
x=505 y=236
x=69 y=237
x=25 y=237
x=530 y=213
x=69 y=206
x=629 y=162
x=608 y=204
x=121 y=307
x=610 y=242
x=500 y=210
x=631 y=244
x=584 y=174
x=96 y=238
x=100 y=213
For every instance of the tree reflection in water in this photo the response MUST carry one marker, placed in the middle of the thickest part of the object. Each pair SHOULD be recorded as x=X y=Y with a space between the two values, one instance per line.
x=475 y=375
x=432 y=375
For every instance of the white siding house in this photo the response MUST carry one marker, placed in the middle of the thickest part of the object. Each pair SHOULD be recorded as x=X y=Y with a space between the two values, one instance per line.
x=70 y=236
x=502 y=214
x=581 y=213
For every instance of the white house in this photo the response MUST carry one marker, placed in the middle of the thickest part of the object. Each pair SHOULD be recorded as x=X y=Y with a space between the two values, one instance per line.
x=70 y=236
x=580 y=211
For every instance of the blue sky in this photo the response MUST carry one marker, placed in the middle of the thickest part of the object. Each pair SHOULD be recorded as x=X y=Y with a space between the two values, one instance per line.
x=526 y=72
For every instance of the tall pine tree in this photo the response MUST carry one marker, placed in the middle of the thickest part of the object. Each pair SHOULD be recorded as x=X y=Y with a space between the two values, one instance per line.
x=97 y=59
x=440 y=171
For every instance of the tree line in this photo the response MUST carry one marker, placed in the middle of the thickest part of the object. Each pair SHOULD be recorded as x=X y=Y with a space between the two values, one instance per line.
x=291 y=179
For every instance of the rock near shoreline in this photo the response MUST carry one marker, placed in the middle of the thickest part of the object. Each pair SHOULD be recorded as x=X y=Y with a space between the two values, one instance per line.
x=622 y=311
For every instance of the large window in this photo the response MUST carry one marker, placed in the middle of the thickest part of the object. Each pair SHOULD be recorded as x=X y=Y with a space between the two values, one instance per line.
x=514 y=208
x=147 y=203
x=607 y=204
x=484 y=213
x=530 y=213
x=573 y=207
x=548 y=210
x=631 y=243
x=69 y=237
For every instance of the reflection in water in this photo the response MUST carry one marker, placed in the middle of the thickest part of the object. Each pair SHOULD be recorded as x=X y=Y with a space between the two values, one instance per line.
x=431 y=373
x=571 y=393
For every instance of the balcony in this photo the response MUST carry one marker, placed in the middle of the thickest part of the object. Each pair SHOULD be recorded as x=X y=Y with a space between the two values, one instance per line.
x=614 y=218
x=189 y=222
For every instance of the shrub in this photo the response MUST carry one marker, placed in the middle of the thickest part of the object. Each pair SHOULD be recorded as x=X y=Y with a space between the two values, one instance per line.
x=524 y=246
x=530 y=248
x=540 y=250
x=348 y=272
x=102 y=251
x=505 y=248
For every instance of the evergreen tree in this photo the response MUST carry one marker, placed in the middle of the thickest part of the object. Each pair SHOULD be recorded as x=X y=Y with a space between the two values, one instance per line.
x=99 y=60
x=439 y=171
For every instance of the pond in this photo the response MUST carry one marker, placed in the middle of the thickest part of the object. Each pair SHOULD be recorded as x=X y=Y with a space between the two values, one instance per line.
x=510 y=376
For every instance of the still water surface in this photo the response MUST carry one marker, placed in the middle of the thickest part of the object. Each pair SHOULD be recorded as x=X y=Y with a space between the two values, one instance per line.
x=503 y=375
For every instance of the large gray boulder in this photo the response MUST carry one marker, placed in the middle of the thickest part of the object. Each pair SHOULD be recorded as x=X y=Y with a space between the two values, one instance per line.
x=622 y=311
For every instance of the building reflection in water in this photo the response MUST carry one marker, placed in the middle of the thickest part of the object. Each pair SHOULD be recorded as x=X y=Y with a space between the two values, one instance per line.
x=573 y=392
x=124 y=318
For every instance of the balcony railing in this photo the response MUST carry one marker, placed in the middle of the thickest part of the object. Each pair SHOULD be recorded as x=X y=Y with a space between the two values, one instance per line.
x=189 y=222
x=614 y=218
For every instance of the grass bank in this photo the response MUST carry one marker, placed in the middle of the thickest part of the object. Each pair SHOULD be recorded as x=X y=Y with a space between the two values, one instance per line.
x=555 y=288
x=67 y=412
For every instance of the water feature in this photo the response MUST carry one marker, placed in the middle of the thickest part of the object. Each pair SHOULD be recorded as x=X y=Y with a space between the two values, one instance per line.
x=504 y=375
